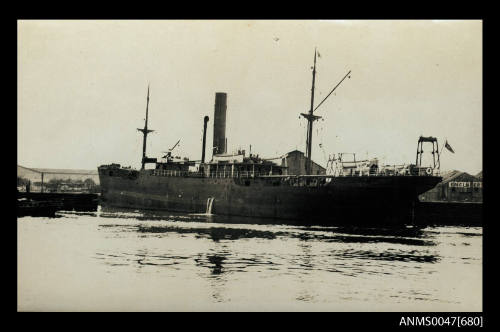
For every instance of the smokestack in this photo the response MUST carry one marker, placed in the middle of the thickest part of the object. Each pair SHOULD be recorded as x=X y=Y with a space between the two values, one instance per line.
x=220 y=123
x=205 y=120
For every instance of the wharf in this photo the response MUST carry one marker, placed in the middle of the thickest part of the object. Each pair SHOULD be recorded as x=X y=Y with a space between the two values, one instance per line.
x=449 y=213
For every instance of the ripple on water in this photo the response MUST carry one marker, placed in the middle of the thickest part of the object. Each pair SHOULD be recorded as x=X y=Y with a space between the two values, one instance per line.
x=246 y=263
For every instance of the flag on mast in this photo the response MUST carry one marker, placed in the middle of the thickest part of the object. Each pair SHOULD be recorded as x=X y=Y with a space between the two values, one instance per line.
x=448 y=147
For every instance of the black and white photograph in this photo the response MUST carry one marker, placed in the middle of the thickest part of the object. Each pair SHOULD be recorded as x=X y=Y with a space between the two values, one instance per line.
x=250 y=165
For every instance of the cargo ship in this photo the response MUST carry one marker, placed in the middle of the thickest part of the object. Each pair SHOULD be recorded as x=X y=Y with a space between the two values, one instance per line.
x=237 y=184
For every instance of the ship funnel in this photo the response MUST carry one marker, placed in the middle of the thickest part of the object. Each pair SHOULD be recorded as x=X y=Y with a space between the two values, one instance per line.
x=219 y=142
x=205 y=120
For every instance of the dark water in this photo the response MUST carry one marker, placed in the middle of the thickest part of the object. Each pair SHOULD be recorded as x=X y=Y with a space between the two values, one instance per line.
x=141 y=261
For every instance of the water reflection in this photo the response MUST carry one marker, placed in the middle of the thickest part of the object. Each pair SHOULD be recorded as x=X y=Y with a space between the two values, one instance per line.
x=344 y=235
x=309 y=258
x=215 y=233
x=305 y=262
x=402 y=235
x=151 y=215
x=344 y=259
x=214 y=262
x=389 y=255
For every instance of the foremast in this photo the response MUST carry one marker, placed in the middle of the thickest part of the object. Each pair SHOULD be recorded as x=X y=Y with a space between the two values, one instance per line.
x=145 y=131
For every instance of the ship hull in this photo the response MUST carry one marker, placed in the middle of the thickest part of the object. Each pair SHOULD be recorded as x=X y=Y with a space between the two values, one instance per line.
x=367 y=199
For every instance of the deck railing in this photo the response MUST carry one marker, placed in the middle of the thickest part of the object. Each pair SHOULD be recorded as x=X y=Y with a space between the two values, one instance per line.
x=391 y=171
x=385 y=171
x=226 y=174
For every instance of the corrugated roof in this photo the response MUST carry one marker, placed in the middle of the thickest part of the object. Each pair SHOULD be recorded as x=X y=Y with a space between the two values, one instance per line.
x=452 y=175
x=448 y=176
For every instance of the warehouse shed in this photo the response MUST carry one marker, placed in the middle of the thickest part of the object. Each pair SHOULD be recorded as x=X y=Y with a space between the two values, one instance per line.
x=456 y=186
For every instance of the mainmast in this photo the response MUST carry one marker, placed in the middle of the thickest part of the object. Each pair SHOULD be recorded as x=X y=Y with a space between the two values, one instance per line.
x=145 y=131
x=310 y=119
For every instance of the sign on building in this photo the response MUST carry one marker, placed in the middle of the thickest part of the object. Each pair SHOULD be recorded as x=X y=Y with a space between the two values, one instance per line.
x=459 y=184
x=465 y=184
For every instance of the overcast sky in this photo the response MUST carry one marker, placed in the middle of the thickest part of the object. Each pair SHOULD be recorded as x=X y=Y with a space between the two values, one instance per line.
x=82 y=88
